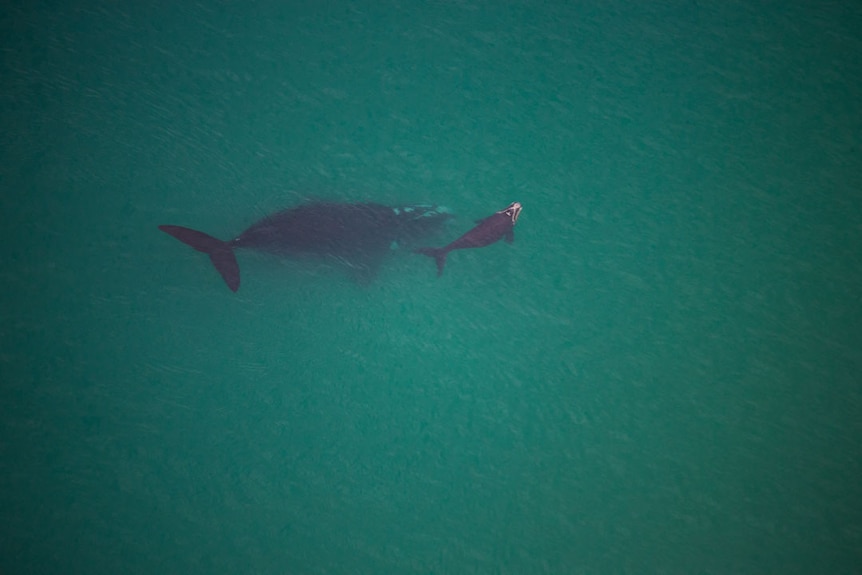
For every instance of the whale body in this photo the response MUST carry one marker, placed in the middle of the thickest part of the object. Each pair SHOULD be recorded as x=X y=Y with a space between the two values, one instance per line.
x=359 y=235
x=488 y=230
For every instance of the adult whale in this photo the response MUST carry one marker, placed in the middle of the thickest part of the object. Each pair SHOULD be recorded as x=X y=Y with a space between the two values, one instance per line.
x=487 y=231
x=358 y=235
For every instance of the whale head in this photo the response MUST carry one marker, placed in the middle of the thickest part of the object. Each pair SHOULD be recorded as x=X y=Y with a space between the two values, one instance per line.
x=416 y=221
x=513 y=211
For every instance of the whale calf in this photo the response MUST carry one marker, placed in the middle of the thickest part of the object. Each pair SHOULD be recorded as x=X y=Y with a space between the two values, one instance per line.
x=487 y=231
x=358 y=235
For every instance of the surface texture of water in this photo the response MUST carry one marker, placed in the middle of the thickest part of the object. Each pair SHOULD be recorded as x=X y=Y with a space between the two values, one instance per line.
x=660 y=375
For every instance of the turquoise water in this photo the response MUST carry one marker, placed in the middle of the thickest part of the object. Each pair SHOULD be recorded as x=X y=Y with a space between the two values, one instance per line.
x=660 y=375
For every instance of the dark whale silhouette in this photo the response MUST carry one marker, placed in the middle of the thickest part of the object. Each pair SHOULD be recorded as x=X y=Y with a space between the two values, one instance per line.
x=358 y=235
x=489 y=230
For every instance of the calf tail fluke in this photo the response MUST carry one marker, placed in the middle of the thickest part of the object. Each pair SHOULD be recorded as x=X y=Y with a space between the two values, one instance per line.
x=439 y=255
x=220 y=253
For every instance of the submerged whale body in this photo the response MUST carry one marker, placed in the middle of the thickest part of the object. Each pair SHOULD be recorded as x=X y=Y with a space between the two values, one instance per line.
x=359 y=235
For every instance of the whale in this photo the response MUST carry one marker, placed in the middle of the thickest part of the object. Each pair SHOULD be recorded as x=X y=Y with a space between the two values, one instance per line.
x=358 y=235
x=489 y=230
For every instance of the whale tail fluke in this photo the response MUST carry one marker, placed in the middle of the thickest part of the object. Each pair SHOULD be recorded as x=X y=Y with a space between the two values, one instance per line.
x=439 y=255
x=220 y=253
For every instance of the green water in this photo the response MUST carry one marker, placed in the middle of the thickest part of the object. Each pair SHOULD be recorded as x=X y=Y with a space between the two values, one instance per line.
x=660 y=375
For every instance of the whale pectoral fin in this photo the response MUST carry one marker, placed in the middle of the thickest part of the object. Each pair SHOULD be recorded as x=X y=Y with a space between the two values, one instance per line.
x=364 y=275
x=365 y=268
x=510 y=236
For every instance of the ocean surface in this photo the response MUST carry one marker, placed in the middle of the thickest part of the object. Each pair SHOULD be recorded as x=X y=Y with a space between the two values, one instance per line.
x=662 y=374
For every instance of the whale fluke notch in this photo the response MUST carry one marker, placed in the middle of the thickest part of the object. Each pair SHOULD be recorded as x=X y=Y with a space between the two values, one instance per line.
x=220 y=252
